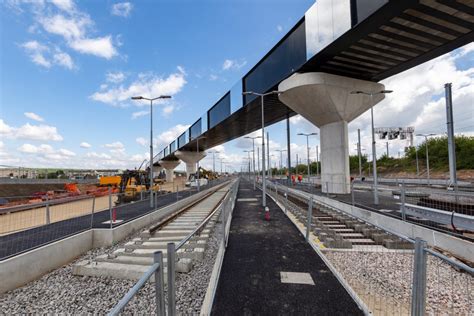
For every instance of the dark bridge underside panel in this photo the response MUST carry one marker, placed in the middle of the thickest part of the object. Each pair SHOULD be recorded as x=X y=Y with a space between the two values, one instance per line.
x=399 y=36
x=246 y=120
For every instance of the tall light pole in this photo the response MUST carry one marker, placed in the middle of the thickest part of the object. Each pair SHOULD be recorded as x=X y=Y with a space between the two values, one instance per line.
x=427 y=156
x=374 y=156
x=307 y=148
x=151 y=138
x=264 y=183
x=253 y=160
x=359 y=153
x=281 y=158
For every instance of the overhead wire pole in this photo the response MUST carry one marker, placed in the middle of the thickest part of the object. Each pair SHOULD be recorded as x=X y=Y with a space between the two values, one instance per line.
x=281 y=158
x=374 y=155
x=253 y=161
x=288 y=180
x=151 y=139
x=451 y=141
x=427 y=155
x=268 y=156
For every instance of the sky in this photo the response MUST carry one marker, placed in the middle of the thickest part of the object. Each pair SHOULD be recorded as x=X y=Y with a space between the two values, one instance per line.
x=69 y=68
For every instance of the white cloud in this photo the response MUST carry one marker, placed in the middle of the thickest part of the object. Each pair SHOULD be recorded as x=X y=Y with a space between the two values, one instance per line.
x=168 y=109
x=141 y=141
x=46 y=151
x=233 y=64
x=115 y=145
x=62 y=18
x=30 y=132
x=145 y=85
x=122 y=9
x=139 y=114
x=279 y=28
x=37 y=51
x=100 y=46
x=85 y=145
x=42 y=55
x=213 y=77
x=97 y=155
x=65 y=5
x=33 y=116
x=170 y=135
x=115 y=77
x=64 y=60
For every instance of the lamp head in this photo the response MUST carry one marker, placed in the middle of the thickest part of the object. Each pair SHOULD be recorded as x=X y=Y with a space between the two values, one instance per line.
x=137 y=98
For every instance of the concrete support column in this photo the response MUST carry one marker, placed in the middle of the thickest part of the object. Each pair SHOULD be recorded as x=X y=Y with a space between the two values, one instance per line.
x=335 y=175
x=156 y=170
x=190 y=158
x=169 y=166
x=326 y=101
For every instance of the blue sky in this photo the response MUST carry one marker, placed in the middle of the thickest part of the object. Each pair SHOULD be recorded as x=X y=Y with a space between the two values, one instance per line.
x=69 y=68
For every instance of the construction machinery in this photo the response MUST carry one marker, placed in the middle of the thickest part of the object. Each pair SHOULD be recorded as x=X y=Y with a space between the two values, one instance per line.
x=133 y=184
x=204 y=177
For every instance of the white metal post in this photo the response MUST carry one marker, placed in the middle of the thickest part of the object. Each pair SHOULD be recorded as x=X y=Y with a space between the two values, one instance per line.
x=264 y=183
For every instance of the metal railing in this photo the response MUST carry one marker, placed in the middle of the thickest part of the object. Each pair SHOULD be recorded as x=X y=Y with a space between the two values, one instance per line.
x=225 y=206
x=155 y=270
x=395 y=274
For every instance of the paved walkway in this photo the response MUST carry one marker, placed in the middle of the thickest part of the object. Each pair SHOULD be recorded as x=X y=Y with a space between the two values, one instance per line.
x=258 y=252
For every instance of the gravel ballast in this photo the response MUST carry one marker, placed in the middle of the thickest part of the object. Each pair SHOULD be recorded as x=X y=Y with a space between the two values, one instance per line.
x=61 y=292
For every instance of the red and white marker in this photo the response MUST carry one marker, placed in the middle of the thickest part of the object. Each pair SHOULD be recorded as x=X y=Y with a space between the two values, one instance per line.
x=267 y=213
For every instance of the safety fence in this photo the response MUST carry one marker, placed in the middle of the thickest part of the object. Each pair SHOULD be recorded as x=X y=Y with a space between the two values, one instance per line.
x=389 y=273
x=445 y=209
x=27 y=226
x=165 y=289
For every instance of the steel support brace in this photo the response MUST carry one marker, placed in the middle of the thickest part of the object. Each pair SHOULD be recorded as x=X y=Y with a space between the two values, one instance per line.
x=418 y=301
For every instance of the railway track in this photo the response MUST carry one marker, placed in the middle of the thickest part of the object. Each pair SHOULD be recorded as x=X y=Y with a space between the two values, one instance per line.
x=339 y=231
x=133 y=259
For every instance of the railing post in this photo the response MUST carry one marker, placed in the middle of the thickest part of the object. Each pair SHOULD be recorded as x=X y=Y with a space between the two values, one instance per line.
x=110 y=206
x=93 y=210
x=171 y=279
x=327 y=189
x=177 y=193
x=418 y=301
x=286 y=200
x=310 y=215
x=402 y=200
x=159 y=295
x=141 y=195
x=48 y=215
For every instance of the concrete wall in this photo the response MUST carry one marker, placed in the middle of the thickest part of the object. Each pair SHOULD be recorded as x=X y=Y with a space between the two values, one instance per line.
x=458 y=247
x=31 y=265
x=26 y=267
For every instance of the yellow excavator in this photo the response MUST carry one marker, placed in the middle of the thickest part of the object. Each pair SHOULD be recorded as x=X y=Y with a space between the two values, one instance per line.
x=133 y=183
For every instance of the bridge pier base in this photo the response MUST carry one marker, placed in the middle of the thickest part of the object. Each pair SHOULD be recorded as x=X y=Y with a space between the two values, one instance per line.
x=190 y=158
x=169 y=166
x=326 y=101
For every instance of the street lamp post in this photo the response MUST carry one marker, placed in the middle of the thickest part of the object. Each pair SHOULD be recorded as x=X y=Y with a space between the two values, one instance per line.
x=264 y=183
x=374 y=156
x=307 y=148
x=151 y=138
x=427 y=156
x=250 y=159
x=253 y=160
x=214 y=161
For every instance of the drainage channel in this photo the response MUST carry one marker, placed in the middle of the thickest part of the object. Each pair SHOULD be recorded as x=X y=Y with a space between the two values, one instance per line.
x=134 y=259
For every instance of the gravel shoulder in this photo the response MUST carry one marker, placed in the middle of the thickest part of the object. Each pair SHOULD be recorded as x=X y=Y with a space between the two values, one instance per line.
x=61 y=292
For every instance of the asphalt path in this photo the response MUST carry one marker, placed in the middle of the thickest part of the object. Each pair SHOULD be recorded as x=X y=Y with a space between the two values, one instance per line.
x=258 y=251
